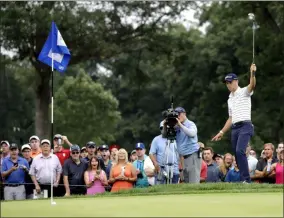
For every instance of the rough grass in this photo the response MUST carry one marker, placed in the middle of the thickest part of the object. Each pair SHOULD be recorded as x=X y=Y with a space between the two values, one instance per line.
x=204 y=188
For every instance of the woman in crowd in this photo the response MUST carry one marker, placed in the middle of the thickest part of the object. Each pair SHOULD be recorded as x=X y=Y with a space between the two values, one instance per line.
x=225 y=166
x=95 y=178
x=123 y=173
x=277 y=169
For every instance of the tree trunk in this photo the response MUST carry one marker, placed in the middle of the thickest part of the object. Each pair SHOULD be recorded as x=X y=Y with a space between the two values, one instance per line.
x=42 y=119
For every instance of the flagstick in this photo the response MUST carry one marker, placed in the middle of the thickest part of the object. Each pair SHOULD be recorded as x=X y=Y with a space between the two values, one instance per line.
x=51 y=185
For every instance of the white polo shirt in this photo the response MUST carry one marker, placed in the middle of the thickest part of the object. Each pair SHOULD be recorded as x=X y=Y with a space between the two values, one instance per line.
x=239 y=105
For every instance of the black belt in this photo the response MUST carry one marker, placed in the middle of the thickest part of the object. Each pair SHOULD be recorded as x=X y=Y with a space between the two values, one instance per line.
x=13 y=185
x=240 y=123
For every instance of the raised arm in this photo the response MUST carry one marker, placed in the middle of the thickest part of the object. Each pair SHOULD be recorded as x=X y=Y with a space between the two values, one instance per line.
x=252 y=82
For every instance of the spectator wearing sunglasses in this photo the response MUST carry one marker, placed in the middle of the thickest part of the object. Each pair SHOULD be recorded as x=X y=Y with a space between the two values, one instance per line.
x=73 y=173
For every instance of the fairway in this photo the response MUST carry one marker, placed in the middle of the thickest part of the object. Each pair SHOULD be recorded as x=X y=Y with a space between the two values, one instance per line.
x=231 y=204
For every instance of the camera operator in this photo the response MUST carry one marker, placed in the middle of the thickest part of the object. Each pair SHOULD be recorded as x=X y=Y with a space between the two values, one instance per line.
x=187 y=146
x=157 y=152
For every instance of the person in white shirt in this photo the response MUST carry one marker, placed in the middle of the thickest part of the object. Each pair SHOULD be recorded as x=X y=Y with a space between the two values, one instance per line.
x=239 y=105
x=252 y=161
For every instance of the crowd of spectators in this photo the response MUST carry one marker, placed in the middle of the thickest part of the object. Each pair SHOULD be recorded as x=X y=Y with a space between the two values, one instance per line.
x=27 y=172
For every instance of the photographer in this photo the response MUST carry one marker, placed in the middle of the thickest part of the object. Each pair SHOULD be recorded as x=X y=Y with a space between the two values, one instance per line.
x=13 y=173
x=187 y=146
x=157 y=152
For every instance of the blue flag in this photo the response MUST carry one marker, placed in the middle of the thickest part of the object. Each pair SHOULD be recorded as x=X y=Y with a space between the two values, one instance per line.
x=56 y=45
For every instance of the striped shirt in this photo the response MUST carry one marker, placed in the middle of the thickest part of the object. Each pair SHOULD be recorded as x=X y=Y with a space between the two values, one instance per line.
x=239 y=105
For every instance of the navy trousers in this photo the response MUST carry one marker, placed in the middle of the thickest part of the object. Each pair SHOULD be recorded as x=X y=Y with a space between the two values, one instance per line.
x=240 y=136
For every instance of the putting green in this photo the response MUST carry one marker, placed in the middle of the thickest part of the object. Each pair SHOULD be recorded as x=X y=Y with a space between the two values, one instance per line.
x=237 y=204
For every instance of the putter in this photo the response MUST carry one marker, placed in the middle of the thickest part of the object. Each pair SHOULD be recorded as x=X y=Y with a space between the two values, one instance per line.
x=254 y=27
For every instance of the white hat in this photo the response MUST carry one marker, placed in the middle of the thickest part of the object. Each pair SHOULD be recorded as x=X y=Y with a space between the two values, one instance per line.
x=161 y=124
x=45 y=141
x=6 y=142
x=26 y=146
x=34 y=137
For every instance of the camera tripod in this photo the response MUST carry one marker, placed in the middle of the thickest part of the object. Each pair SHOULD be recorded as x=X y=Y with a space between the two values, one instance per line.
x=167 y=167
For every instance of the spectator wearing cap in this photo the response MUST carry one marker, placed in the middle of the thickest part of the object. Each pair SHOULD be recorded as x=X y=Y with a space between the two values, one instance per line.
x=92 y=151
x=123 y=174
x=5 y=151
x=252 y=161
x=26 y=153
x=218 y=158
x=159 y=159
x=59 y=151
x=139 y=164
x=95 y=178
x=83 y=153
x=212 y=167
x=106 y=158
x=35 y=145
x=13 y=173
x=239 y=120
x=73 y=173
x=133 y=156
x=260 y=175
x=188 y=148
x=44 y=165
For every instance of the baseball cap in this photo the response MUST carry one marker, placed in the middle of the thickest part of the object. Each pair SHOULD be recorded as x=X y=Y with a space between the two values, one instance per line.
x=91 y=144
x=25 y=146
x=133 y=152
x=75 y=148
x=217 y=155
x=180 y=110
x=5 y=142
x=83 y=149
x=57 y=136
x=103 y=147
x=139 y=145
x=230 y=77
x=13 y=146
x=34 y=137
x=114 y=146
x=45 y=141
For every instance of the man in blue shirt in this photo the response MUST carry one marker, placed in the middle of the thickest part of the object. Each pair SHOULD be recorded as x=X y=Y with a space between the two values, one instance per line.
x=13 y=172
x=142 y=177
x=188 y=148
x=157 y=154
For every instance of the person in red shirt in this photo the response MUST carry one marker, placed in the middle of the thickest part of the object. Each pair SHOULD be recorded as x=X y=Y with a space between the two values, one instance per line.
x=62 y=153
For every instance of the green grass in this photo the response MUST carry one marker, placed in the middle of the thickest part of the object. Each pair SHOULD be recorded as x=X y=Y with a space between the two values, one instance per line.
x=214 y=204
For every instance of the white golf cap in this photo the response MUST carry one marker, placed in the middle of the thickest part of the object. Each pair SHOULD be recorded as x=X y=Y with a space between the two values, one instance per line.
x=5 y=142
x=45 y=141
x=34 y=137
x=25 y=146
x=161 y=124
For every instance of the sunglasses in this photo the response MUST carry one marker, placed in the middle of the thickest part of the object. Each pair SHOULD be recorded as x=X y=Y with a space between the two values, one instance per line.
x=75 y=152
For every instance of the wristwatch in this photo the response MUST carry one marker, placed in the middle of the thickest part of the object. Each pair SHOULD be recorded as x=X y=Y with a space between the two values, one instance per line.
x=221 y=132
